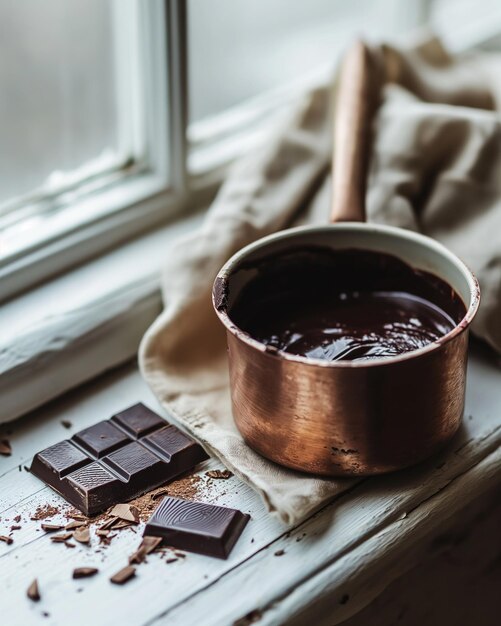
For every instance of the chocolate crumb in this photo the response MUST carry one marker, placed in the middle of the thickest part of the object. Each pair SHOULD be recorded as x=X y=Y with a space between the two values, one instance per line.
x=279 y=552
x=171 y=560
x=7 y=540
x=5 y=447
x=33 y=592
x=66 y=423
x=17 y=519
x=44 y=511
x=161 y=492
x=15 y=527
x=219 y=474
x=84 y=572
x=123 y=575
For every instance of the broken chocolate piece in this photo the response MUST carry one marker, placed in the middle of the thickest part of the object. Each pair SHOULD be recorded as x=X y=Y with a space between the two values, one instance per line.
x=33 y=592
x=197 y=527
x=126 y=512
x=5 y=447
x=51 y=528
x=123 y=575
x=61 y=538
x=117 y=459
x=82 y=535
x=75 y=524
x=84 y=572
x=147 y=546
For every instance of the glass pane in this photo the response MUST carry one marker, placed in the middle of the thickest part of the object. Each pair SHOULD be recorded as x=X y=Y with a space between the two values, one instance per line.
x=240 y=48
x=58 y=105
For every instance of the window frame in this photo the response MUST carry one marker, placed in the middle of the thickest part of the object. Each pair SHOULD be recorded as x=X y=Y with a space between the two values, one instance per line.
x=142 y=194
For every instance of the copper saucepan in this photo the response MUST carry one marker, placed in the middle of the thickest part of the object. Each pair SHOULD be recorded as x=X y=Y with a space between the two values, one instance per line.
x=349 y=417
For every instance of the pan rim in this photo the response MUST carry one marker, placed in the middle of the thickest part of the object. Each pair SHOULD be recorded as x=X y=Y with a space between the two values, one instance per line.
x=472 y=308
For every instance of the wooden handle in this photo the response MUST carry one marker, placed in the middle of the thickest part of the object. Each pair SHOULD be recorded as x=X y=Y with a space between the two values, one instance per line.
x=358 y=97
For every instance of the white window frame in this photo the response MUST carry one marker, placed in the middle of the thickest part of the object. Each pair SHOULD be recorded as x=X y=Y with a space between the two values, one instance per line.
x=140 y=195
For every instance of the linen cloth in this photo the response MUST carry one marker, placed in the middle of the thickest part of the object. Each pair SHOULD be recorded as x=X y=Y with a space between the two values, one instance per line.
x=436 y=168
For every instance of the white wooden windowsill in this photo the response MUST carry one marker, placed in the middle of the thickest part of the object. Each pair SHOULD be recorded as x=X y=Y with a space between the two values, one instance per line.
x=82 y=323
x=334 y=563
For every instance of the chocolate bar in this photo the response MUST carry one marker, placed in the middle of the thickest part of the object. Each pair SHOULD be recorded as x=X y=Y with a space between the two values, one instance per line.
x=116 y=459
x=197 y=527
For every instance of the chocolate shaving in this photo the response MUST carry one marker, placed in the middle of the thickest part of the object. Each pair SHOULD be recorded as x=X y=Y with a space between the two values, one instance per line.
x=171 y=560
x=123 y=575
x=78 y=516
x=75 y=524
x=17 y=519
x=50 y=528
x=122 y=524
x=219 y=474
x=32 y=592
x=61 y=538
x=161 y=492
x=147 y=545
x=82 y=535
x=15 y=527
x=84 y=572
x=44 y=511
x=126 y=512
x=109 y=523
x=5 y=447
x=68 y=544
x=7 y=540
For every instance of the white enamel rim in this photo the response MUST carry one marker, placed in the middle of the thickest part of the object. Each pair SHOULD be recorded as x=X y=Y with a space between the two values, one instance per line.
x=427 y=242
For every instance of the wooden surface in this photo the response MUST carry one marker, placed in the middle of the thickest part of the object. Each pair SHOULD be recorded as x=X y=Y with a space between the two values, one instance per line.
x=334 y=564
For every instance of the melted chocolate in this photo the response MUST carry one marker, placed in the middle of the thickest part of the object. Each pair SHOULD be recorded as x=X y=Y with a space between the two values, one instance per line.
x=343 y=305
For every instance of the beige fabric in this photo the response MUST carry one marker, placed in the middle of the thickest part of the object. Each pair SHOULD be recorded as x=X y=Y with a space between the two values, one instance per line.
x=436 y=168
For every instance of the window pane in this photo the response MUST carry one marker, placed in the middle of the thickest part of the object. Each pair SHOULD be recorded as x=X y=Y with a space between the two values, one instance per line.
x=58 y=105
x=240 y=48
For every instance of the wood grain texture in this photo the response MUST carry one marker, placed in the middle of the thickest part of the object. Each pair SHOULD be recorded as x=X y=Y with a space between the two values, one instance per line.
x=354 y=546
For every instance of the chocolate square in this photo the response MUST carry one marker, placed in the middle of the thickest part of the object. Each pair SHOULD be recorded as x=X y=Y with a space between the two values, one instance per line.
x=138 y=420
x=95 y=486
x=101 y=439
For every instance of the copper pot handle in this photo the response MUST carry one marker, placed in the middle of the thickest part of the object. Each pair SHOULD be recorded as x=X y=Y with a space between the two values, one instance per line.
x=358 y=97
